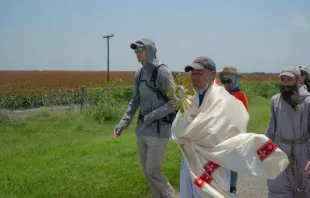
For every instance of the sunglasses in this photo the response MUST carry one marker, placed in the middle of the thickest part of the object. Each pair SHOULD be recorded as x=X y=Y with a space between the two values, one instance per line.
x=229 y=81
x=139 y=50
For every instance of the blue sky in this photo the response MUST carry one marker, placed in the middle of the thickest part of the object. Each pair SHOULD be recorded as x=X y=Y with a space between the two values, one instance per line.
x=255 y=36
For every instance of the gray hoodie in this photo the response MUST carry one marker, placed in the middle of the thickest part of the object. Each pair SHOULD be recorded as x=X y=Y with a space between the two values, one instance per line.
x=152 y=107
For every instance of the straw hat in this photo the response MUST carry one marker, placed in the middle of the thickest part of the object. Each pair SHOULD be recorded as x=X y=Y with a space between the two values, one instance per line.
x=231 y=70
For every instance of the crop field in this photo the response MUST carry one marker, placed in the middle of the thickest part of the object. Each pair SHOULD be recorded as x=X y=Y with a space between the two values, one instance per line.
x=31 y=89
x=12 y=81
x=32 y=80
x=38 y=82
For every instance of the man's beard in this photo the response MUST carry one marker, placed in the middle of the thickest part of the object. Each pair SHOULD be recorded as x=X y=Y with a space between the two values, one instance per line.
x=290 y=95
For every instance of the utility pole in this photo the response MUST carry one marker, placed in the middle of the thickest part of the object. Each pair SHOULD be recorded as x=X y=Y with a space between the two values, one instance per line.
x=108 y=56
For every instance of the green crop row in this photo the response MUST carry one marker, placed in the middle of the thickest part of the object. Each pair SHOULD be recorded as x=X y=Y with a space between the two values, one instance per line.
x=110 y=103
x=264 y=89
x=91 y=96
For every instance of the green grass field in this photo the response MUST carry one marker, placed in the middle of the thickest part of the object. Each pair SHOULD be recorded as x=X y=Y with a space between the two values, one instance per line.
x=72 y=155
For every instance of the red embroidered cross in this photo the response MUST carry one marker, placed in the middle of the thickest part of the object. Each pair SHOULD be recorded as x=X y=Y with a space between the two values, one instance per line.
x=210 y=167
x=199 y=182
x=267 y=149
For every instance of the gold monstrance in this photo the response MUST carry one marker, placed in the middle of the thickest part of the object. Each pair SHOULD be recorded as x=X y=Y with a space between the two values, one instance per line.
x=180 y=93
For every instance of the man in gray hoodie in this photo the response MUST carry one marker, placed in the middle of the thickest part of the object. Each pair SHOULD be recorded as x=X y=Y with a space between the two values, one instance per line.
x=155 y=117
x=289 y=129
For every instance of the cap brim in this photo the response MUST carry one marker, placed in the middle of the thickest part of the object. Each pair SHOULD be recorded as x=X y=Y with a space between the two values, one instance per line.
x=237 y=74
x=135 y=45
x=287 y=74
x=193 y=66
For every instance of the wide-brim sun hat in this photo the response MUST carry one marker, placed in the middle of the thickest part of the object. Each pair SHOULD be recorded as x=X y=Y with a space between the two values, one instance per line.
x=231 y=70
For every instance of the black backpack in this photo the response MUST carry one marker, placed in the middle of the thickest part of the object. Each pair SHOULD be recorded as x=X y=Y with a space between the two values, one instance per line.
x=170 y=117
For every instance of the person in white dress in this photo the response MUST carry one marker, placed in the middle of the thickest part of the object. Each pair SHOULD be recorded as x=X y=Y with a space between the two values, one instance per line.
x=203 y=72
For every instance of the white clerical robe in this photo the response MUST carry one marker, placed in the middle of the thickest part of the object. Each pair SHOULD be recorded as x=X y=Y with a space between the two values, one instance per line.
x=213 y=139
x=187 y=188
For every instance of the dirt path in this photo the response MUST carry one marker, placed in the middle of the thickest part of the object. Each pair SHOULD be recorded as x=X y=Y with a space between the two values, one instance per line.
x=23 y=113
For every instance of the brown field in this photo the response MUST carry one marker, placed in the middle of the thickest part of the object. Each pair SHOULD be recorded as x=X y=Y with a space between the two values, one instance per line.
x=33 y=81
x=58 y=79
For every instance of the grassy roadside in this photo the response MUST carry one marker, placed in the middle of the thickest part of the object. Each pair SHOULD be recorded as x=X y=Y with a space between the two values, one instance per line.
x=68 y=155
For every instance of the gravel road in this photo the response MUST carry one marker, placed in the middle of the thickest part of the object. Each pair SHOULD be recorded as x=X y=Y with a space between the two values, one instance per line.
x=250 y=187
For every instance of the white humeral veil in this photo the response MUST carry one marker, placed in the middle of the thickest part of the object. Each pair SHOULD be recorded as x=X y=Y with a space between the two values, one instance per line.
x=216 y=139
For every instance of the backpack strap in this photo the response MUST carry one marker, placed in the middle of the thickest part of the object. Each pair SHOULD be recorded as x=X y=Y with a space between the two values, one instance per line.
x=137 y=89
x=153 y=80
x=139 y=78
x=155 y=74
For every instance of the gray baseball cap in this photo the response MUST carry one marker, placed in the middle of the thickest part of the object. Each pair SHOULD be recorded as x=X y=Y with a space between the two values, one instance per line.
x=291 y=72
x=200 y=63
